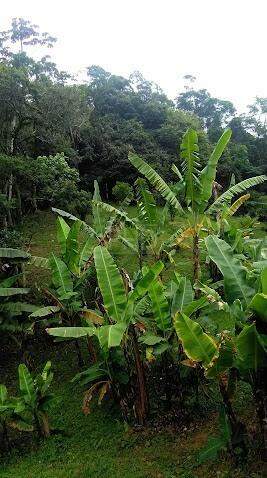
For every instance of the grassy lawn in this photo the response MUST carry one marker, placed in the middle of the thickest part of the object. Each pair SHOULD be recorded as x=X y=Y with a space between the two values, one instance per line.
x=100 y=445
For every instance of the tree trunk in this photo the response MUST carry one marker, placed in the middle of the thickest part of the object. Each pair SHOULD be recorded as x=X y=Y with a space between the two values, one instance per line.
x=19 y=204
x=34 y=201
x=9 y=198
x=12 y=135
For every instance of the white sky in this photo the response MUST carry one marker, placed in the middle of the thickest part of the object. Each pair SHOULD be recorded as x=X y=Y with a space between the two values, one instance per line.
x=223 y=43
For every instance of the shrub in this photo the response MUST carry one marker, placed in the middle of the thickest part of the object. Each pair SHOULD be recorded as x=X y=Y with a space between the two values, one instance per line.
x=122 y=190
x=10 y=238
x=81 y=205
x=257 y=206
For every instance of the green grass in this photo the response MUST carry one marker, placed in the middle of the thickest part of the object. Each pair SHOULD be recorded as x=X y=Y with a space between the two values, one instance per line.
x=100 y=445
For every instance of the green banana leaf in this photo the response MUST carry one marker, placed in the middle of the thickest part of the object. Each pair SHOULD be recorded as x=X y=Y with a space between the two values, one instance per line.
x=222 y=362
x=44 y=311
x=147 y=207
x=26 y=384
x=72 y=248
x=155 y=179
x=238 y=188
x=17 y=308
x=160 y=306
x=110 y=283
x=251 y=350
x=61 y=276
x=189 y=154
x=208 y=174
x=111 y=335
x=9 y=291
x=264 y=281
x=143 y=284
x=183 y=296
x=197 y=345
x=235 y=281
x=3 y=395
x=85 y=252
x=9 y=253
x=62 y=233
x=99 y=216
x=259 y=306
x=71 y=332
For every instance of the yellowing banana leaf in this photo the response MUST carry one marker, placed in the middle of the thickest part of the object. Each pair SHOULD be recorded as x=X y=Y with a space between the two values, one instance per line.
x=92 y=316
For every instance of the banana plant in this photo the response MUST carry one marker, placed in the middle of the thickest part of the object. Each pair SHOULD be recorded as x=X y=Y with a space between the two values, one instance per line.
x=199 y=185
x=28 y=411
x=146 y=232
x=242 y=346
x=15 y=313
x=66 y=296
x=120 y=304
x=102 y=230
x=7 y=412
x=35 y=398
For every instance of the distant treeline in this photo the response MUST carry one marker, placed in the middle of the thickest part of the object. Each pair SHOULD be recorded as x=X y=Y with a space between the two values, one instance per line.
x=95 y=124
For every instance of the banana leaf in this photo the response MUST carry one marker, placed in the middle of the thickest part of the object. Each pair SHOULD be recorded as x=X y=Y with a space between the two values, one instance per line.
x=110 y=283
x=197 y=345
x=235 y=281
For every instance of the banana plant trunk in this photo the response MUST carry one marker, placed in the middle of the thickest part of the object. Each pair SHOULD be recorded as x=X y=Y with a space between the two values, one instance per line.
x=238 y=429
x=142 y=405
x=5 y=437
x=196 y=259
x=260 y=395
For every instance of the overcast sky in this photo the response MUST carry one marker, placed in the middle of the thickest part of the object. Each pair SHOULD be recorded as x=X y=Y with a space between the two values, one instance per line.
x=222 y=43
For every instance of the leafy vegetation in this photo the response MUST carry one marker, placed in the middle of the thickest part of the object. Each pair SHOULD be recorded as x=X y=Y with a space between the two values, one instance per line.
x=161 y=297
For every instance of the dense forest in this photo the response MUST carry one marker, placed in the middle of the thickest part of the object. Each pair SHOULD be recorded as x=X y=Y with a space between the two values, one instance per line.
x=133 y=274
x=90 y=128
